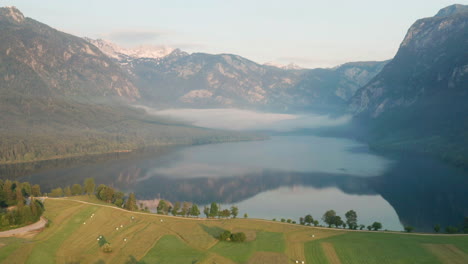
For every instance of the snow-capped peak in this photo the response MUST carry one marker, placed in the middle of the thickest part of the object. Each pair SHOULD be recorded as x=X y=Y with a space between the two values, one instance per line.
x=290 y=66
x=144 y=51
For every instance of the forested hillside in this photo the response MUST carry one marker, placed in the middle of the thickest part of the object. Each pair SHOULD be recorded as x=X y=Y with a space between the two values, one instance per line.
x=61 y=96
x=418 y=102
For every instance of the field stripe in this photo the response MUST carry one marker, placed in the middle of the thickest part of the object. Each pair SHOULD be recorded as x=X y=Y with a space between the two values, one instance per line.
x=447 y=253
x=330 y=252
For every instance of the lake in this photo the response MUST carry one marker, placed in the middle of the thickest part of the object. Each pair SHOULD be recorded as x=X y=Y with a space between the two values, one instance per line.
x=288 y=177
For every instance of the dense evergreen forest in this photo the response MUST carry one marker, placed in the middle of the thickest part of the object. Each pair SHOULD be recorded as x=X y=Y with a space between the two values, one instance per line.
x=17 y=204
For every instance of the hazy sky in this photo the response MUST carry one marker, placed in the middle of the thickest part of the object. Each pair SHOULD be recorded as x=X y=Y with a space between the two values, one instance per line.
x=309 y=33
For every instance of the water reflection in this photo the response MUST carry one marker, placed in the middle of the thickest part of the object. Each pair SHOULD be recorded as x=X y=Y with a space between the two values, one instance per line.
x=266 y=178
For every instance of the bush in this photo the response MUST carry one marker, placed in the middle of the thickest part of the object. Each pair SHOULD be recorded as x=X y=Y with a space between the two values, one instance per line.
x=102 y=241
x=451 y=230
x=225 y=236
x=408 y=229
x=107 y=248
x=238 y=237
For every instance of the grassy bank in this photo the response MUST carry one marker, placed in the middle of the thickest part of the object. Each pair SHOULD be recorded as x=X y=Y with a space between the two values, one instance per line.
x=72 y=238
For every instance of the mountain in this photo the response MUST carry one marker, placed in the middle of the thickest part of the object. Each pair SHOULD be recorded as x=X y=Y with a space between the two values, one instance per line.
x=180 y=79
x=114 y=51
x=60 y=96
x=418 y=100
x=38 y=60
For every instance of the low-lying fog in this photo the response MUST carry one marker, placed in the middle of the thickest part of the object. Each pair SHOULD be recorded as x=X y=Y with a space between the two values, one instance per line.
x=237 y=119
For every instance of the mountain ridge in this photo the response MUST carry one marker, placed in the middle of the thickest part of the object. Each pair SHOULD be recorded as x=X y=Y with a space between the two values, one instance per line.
x=202 y=80
x=418 y=101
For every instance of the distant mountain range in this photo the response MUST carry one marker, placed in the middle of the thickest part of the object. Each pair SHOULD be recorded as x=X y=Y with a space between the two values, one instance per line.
x=60 y=96
x=419 y=100
x=65 y=95
x=202 y=80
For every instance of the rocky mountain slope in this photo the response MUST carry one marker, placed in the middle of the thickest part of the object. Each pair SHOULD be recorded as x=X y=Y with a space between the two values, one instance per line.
x=36 y=59
x=418 y=100
x=226 y=80
x=60 y=96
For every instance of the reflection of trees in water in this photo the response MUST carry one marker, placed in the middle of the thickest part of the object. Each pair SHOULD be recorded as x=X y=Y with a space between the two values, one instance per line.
x=236 y=189
x=423 y=192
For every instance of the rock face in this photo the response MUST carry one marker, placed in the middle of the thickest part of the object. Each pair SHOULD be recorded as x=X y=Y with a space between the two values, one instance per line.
x=431 y=67
x=203 y=80
x=38 y=60
x=419 y=99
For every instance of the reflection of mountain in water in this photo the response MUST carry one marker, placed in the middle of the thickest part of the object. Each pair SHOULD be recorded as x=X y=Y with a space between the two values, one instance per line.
x=422 y=192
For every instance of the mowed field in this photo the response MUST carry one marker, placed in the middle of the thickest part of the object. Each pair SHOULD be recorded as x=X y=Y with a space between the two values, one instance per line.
x=150 y=238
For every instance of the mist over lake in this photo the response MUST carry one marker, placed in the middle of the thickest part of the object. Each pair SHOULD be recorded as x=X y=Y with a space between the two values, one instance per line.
x=240 y=119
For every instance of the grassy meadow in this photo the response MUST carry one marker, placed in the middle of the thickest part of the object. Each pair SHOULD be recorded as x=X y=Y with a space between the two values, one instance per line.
x=73 y=231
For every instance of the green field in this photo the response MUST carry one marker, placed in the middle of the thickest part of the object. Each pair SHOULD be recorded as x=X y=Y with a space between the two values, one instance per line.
x=148 y=238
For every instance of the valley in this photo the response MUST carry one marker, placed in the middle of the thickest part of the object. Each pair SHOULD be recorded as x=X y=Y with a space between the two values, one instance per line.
x=364 y=161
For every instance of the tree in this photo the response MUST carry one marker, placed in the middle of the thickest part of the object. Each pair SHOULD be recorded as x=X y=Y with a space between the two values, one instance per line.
x=308 y=219
x=289 y=221
x=194 y=211
x=343 y=225
x=214 y=210
x=99 y=189
x=316 y=222
x=36 y=190
x=283 y=220
x=106 y=194
x=369 y=228
x=238 y=237
x=9 y=194
x=376 y=226
x=361 y=227
x=77 y=189
x=437 y=228
x=89 y=186
x=57 y=192
x=351 y=219
x=234 y=211
x=131 y=203
x=119 y=202
x=337 y=221
x=301 y=220
x=329 y=217
x=246 y=215
x=26 y=189
x=162 y=207
x=451 y=230
x=225 y=213
x=224 y=236
x=409 y=229
x=206 y=211
x=175 y=210
x=185 y=208
x=67 y=191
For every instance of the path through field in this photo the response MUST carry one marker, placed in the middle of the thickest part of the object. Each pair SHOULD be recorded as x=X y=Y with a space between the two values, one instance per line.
x=330 y=252
x=25 y=229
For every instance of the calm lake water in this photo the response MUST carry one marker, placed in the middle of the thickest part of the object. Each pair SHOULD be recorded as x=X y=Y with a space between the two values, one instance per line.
x=288 y=177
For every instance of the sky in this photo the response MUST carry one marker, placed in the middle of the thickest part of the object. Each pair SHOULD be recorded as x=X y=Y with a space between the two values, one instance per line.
x=309 y=33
